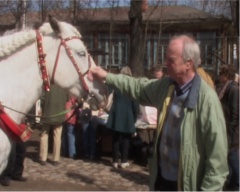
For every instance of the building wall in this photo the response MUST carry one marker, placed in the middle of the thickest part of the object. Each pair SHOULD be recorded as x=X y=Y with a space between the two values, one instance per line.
x=215 y=49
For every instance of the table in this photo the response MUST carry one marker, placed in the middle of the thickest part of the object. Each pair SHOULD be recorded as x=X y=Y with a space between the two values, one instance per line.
x=143 y=137
x=145 y=130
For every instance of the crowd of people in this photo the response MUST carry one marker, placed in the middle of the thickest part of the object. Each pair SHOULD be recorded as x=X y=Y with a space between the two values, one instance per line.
x=190 y=150
x=196 y=142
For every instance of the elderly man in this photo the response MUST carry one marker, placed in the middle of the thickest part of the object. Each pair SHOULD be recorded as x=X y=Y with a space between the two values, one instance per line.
x=190 y=147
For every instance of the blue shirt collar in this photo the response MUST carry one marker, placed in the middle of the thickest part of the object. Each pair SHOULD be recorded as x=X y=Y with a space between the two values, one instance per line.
x=193 y=86
x=180 y=90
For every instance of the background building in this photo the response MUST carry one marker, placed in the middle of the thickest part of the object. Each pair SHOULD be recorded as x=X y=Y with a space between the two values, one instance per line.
x=106 y=32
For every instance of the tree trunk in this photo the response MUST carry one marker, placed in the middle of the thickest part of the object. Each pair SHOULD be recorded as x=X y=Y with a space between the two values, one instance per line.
x=235 y=14
x=136 y=38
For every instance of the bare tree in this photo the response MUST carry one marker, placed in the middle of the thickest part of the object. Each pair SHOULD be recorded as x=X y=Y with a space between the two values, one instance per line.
x=48 y=5
x=230 y=9
x=136 y=38
x=155 y=5
x=162 y=2
x=113 y=4
x=234 y=4
x=212 y=6
x=77 y=7
x=18 y=10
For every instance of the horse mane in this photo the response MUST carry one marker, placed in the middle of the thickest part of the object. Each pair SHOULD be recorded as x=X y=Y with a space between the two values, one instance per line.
x=11 y=41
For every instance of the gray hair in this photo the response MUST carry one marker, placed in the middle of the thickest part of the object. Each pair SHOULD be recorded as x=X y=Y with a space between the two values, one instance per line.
x=191 y=49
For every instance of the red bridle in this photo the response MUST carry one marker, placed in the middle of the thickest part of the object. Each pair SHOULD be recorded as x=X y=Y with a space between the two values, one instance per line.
x=22 y=132
x=42 y=62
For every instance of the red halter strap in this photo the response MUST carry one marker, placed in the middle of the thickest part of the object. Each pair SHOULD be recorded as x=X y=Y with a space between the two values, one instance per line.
x=17 y=132
x=42 y=62
x=80 y=74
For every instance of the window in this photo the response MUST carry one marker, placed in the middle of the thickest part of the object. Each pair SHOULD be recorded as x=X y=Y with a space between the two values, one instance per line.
x=155 y=50
x=88 y=42
x=117 y=49
x=207 y=44
x=103 y=44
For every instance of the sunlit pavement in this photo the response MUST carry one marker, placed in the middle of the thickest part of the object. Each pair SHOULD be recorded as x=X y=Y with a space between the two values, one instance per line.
x=78 y=175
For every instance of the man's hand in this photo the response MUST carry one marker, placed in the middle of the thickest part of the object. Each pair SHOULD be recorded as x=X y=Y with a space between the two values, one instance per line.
x=97 y=73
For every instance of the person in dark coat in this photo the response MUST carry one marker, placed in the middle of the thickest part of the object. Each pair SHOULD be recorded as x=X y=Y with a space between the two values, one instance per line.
x=15 y=167
x=122 y=117
x=229 y=97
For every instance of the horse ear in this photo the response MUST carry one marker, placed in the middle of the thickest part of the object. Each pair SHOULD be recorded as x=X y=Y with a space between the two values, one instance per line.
x=54 y=24
x=37 y=25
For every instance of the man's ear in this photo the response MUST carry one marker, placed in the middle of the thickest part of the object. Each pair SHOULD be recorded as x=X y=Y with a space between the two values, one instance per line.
x=189 y=64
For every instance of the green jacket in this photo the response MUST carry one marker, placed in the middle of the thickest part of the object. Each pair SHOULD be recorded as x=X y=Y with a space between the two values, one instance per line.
x=54 y=103
x=203 y=156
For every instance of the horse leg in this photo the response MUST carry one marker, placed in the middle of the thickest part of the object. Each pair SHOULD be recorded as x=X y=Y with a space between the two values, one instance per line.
x=5 y=149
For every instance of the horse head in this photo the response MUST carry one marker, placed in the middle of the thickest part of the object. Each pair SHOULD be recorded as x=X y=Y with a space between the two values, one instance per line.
x=69 y=63
x=60 y=58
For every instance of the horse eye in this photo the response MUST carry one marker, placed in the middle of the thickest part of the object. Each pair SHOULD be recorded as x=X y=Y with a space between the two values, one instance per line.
x=82 y=53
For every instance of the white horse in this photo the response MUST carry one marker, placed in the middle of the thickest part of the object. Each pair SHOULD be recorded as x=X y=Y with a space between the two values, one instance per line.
x=24 y=75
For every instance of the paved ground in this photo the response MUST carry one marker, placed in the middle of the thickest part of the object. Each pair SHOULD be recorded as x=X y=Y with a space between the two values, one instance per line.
x=78 y=175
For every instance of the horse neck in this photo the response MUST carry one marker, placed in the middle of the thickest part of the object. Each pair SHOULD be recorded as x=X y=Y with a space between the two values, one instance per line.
x=20 y=81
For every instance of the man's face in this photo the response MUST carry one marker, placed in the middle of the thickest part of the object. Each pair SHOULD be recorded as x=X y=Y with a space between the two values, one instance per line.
x=158 y=74
x=176 y=66
x=223 y=78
